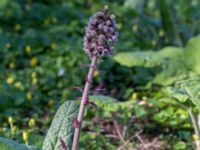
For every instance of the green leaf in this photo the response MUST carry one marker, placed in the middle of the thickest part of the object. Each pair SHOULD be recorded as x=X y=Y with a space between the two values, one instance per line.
x=6 y=144
x=148 y=58
x=61 y=127
x=110 y=104
x=131 y=59
x=140 y=111
x=164 y=115
x=178 y=94
x=186 y=88
x=170 y=52
x=179 y=145
x=168 y=59
x=167 y=100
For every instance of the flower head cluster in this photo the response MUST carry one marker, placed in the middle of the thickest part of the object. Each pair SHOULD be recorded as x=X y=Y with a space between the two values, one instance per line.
x=101 y=34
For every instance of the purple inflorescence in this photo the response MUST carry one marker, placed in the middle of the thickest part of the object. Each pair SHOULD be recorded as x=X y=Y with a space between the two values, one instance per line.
x=100 y=34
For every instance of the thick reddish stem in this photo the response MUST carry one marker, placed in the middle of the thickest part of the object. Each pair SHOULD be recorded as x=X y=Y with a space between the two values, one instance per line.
x=84 y=100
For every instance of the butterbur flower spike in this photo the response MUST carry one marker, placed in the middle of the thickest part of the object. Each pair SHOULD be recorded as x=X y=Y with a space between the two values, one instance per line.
x=99 y=40
x=100 y=34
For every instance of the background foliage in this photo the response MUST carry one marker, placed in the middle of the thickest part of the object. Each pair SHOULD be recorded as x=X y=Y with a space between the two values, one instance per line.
x=41 y=57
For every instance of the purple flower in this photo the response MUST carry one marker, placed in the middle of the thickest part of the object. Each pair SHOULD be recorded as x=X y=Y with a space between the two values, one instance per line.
x=100 y=34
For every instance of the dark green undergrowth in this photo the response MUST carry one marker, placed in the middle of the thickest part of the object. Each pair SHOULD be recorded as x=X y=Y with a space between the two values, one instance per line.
x=41 y=58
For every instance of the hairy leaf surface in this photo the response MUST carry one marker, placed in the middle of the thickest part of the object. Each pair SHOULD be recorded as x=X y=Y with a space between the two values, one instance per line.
x=61 y=127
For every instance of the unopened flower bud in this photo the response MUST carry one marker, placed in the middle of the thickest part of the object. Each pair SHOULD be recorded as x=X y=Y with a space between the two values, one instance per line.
x=108 y=23
x=111 y=30
x=106 y=8
x=99 y=14
x=94 y=22
x=112 y=17
x=100 y=26
x=105 y=28
x=100 y=48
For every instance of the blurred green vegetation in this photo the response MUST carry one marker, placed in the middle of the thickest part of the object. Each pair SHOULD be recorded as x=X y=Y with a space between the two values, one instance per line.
x=41 y=57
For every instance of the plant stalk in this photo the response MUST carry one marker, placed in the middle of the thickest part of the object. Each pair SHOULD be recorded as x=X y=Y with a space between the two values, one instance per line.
x=84 y=100
x=196 y=127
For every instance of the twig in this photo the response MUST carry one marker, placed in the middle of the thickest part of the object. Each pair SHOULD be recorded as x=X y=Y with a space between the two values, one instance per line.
x=128 y=141
x=118 y=132
x=140 y=139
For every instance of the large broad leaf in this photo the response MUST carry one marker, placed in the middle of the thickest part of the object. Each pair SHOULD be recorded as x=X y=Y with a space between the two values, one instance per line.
x=6 y=144
x=168 y=59
x=173 y=61
x=187 y=88
x=192 y=54
x=148 y=58
x=61 y=127
x=131 y=59
x=110 y=104
x=170 y=52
